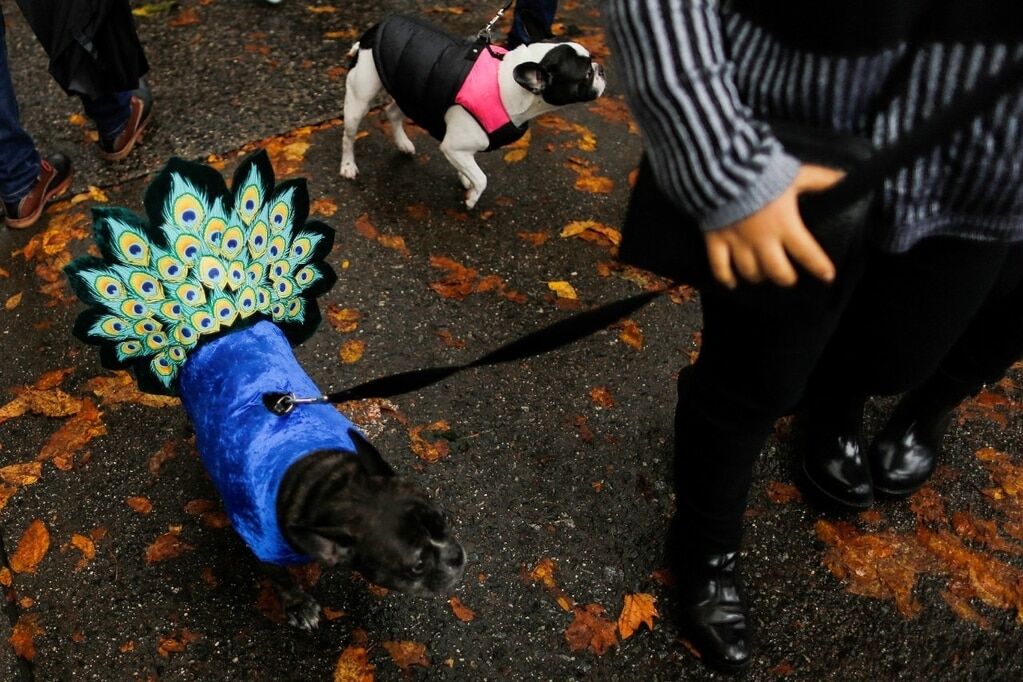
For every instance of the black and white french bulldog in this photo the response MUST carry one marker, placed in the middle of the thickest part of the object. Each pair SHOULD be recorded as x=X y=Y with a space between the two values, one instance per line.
x=351 y=509
x=470 y=95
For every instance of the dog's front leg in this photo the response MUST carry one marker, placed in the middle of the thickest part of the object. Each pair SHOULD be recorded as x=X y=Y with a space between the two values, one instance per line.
x=465 y=137
x=302 y=610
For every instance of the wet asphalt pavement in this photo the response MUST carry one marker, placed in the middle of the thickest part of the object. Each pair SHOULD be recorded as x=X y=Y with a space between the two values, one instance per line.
x=537 y=465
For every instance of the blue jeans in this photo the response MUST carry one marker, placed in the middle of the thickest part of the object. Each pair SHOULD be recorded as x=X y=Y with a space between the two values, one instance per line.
x=538 y=14
x=19 y=159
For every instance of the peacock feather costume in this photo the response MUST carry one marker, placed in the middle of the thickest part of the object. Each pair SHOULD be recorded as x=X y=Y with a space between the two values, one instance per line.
x=204 y=299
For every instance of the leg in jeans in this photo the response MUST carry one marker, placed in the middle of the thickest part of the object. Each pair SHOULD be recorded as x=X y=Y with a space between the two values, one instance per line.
x=533 y=19
x=109 y=112
x=19 y=160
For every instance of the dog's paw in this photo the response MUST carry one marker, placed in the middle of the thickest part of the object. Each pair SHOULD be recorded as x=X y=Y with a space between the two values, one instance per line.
x=471 y=197
x=349 y=170
x=304 y=614
x=405 y=146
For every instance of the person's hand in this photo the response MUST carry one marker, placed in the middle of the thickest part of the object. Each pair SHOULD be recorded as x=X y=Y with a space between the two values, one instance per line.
x=763 y=245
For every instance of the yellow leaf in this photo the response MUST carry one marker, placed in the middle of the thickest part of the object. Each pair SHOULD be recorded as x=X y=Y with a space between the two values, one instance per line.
x=592 y=231
x=563 y=290
x=321 y=9
x=515 y=155
x=25 y=473
x=638 y=609
x=13 y=301
x=353 y=665
x=351 y=351
x=84 y=545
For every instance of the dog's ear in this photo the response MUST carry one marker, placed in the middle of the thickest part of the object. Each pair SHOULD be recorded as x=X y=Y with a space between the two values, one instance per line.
x=332 y=545
x=370 y=459
x=532 y=77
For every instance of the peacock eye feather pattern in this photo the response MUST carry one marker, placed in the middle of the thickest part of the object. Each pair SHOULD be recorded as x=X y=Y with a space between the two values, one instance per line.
x=207 y=260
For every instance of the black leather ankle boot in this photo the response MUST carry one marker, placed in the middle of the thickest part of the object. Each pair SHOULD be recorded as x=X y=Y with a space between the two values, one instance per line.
x=906 y=451
x=834 y=459
x=711 y=610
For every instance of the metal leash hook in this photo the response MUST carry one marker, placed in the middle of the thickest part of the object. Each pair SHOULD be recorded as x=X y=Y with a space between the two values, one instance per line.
x=486 y=34
x=283 y=403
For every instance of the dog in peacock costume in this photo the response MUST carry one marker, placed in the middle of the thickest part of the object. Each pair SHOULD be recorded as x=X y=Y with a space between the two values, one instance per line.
x=204 y=299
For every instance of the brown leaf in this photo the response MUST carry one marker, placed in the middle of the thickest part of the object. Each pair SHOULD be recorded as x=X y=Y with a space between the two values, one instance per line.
x=186 y=17
x=543 y=573
x=351 y=351
x=449 y=339
x=459 y=281
x=331 y=614
x=31 y=549
x=353 y=665
x=601 y=397
x=534 y=238
x=582 y=426
x=175 y=642
x=591 y=630
x=269 y=602
x=120 y=387
x=13 y=302
x=783 y=669
x=167 y=546
x=345 y=320
x=6 y=493
x=396 y=242
x=167 y=451
x=75 y=434
x=638 y=609
x=592 y=231
x=407 y=654
x=84 y=545
x=782 y=493
x=6 y=577
x=23 y=635
x=461 y=611
x=25 y=473
x=142 y=505
x=126 y=647
x=429 y=451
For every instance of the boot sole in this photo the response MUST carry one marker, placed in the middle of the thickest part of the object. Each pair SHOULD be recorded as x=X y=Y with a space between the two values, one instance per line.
x=898 y=494
x=843 y=504
x=29 y=221
x=118 y=156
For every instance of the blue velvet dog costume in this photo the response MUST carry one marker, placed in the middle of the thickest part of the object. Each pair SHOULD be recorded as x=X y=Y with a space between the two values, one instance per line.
x=205 y=300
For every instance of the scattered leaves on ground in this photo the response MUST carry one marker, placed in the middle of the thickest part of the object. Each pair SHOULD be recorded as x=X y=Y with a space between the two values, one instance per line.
x=630 y=334
x=73 y=435
x=353 y=665
x=120 y=387
x=638 y=609
x=589 y=629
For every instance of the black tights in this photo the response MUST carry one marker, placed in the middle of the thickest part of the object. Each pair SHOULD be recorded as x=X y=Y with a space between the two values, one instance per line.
x=947 y=306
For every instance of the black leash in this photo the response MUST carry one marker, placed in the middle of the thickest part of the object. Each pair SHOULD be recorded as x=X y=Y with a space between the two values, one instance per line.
x=856 y=183
x=551 y=337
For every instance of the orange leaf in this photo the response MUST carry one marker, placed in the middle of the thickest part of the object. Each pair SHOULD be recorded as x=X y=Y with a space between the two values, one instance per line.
x=23 y=635
x=331 y=614
x=31 y=548
x=175 y=643
x=364 y=227
x=534 y=238
x=6 y=493
x=345 y=320
x=602 y=397
x=427 y=450
x=407 y=654
x=592 y=231
x=26 y=473
x=393 y=241
x=630 y=334
x=86 y=547
x=353 y=665
x=75 y=434
x=591 y=630
x=515 y=155
x=167 y=546
x=449 y=339
x=6 y=577
x=461 y=611
x=167 y=451
x=638 y=609
x=459 y=281
x=13 y=301
x=142 y=505
x=325 y=207
x=120 y=387
x=782 y=493
x=351 y=351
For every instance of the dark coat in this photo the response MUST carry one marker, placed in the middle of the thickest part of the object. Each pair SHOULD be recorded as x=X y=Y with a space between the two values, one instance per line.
x=92 y=44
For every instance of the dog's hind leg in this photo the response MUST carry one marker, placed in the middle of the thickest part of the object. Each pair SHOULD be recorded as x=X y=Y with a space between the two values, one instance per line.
x=465 y=137
x=301 y=610
x=361 y=86
x=397 y=120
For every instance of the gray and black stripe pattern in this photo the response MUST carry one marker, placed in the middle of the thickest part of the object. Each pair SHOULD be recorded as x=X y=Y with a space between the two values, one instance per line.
x=700 y=77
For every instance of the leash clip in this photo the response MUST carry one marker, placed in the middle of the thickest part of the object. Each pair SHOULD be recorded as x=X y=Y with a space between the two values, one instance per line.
x=284 y=403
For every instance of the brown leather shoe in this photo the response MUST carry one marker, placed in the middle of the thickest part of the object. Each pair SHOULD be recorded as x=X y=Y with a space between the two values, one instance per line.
x=141 y=105
x=54 y=179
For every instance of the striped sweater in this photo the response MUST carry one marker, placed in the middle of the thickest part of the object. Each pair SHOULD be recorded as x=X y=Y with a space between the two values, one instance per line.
x=702 y=76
